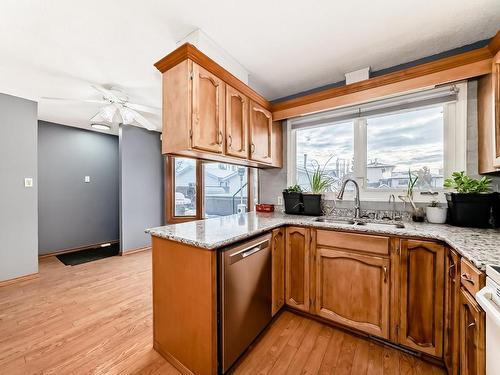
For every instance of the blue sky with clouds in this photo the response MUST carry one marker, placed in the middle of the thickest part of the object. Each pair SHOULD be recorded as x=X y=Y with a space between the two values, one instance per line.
x=408 y=140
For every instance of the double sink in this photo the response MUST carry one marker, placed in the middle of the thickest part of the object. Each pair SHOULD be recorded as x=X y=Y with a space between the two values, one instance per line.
x=359 y=222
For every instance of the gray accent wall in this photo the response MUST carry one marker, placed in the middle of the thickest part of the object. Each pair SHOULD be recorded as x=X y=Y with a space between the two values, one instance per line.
x=141 y=186
x=18 y=204
x=73 y=213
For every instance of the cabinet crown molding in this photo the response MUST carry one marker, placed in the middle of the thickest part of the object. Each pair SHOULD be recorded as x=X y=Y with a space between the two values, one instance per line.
x=189 y=51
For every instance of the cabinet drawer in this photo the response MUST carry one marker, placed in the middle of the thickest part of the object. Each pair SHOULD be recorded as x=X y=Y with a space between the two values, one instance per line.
x=471 y=278
x=353 y=241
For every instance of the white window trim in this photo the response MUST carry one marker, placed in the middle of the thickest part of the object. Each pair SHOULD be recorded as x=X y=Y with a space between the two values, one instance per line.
x=455 y=151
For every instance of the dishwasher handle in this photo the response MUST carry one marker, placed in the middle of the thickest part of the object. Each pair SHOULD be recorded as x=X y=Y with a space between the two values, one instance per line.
x=247 y=251
x=484 y=298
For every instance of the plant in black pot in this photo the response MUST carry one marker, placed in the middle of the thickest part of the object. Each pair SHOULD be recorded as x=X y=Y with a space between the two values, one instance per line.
x=471 y=205
x=319 y=182
x=292 y=197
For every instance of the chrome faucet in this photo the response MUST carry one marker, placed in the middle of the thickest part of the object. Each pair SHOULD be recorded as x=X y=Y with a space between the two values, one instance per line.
x=356 y=197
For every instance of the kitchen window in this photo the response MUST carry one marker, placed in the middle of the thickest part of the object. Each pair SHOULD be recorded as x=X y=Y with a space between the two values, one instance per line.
x=378 y=143
x=197 y=189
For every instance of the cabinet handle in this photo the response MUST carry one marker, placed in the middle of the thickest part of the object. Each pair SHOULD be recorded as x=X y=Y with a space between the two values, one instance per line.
x=472 y=324
x=229 y=141
x=385 y=273
x=252 y=148
x=466 y=277
x=451 y=271
x=219 y=138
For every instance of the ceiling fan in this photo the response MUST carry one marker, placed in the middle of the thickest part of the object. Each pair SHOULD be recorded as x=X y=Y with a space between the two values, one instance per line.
x=117 y=109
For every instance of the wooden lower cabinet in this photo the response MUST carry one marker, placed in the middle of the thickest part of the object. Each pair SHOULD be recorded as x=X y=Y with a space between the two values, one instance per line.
x=472 y=336
x=353 y=290
x=421 y=320
x=297 y=267
x=278 y=269
x=452 y=310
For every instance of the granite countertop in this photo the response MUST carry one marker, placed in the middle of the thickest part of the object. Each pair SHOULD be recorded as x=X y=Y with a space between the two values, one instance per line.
x=480 y=246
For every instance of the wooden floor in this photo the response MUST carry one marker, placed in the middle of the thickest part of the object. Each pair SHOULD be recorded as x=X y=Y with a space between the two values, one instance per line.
x=95 y=318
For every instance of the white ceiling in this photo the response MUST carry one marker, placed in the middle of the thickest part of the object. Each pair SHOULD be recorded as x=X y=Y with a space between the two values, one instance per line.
x=59 y=47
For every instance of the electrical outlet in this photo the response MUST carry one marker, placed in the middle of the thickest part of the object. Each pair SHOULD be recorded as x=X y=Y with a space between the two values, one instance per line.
x=28 y=182
x=87 y=179
x=280 y=201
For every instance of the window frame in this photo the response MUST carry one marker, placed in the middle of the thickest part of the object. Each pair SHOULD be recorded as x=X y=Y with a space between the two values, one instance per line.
x=454 y=147
x=169 y=190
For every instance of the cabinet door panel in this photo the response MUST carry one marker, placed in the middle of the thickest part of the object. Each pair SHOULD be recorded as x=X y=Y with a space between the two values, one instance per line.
x=297 y=267
x=422 y=296
x=353 y=290
x=236 y=123
x=472 y=336
x=261 y=126
x=207 y=111
x=278 y=260
x=452 y=310
x=496 y=94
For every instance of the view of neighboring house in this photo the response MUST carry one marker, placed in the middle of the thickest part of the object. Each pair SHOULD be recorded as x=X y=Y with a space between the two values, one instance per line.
x=225 y=188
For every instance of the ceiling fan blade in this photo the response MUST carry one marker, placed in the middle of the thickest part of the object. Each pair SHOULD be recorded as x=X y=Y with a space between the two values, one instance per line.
x=143 y=108
x=108 y=94
x=129 y=116
x=96 y=101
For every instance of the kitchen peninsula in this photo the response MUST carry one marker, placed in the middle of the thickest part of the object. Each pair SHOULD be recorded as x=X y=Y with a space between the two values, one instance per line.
x=405 y=286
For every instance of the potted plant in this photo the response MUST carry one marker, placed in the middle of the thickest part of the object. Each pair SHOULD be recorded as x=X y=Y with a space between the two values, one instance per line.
x=471 y=205
x=319 y=182
x=418 y=214
x=435 y=213
x=292 y=197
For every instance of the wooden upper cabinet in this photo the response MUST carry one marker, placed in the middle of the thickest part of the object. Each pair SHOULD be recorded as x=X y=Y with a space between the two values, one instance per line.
x=488 y=117
x=422 y=296
x=261 y=133
x=208 y=111
x=278 y=272
x=210 y=114
x=297 y=267
x=472 y=336
x=236 y=123
x=353 y=290
x=496 y=94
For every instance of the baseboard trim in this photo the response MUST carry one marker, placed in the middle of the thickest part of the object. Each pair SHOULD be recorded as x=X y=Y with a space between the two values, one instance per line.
x=19 y=279
x=74 y=249
x=134 y=251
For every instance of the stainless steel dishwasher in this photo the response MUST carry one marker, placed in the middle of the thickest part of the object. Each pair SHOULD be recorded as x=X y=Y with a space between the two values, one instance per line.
x=245 y=296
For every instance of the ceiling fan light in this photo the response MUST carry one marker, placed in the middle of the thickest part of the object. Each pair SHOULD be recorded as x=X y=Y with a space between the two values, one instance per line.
x=100 y=126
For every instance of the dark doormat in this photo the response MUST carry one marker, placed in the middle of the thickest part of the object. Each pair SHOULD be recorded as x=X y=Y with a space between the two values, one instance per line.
x=85 y=256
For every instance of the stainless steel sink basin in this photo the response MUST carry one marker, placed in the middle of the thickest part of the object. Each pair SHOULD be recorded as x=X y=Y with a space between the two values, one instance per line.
x=369 y=224
x=335 y=221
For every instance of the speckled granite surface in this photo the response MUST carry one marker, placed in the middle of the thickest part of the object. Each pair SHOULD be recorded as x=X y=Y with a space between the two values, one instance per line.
x=480 y=246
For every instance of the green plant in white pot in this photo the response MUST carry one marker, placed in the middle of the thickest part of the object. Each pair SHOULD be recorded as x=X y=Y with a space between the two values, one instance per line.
x=436 y=213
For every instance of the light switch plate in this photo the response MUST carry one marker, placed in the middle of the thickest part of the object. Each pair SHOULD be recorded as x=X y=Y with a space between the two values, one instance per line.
x=87 y=179
x=28 y=182
x=280 y=201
